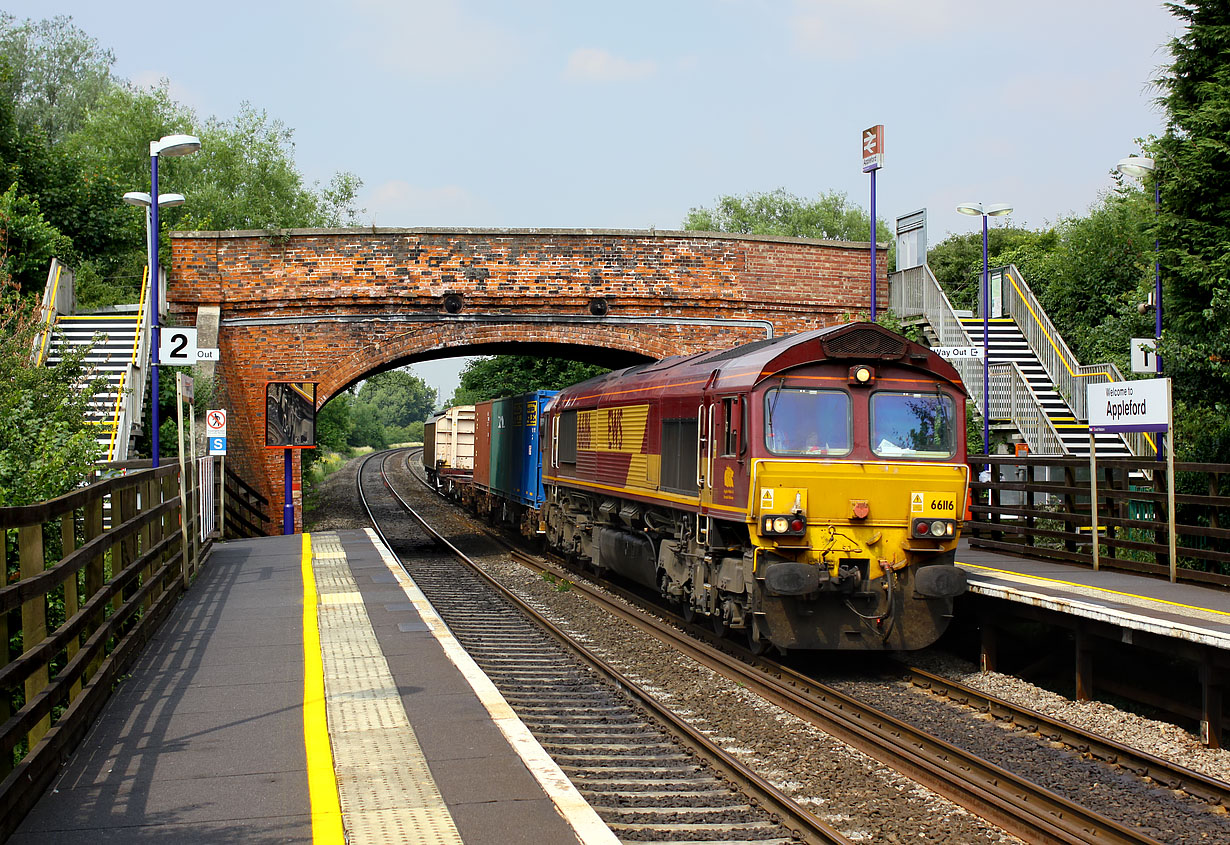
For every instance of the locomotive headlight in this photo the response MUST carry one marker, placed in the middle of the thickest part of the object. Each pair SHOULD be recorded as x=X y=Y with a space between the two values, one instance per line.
x=781 y=525
x=937 y=528
x=862 y=375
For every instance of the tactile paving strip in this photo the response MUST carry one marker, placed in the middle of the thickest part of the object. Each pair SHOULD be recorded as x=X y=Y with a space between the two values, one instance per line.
x=387 y=792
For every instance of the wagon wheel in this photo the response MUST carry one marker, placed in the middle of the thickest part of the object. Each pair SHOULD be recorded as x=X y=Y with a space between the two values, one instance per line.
x=719 y=624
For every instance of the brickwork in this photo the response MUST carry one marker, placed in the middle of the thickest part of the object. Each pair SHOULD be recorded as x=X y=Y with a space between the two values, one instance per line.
x=332 y=306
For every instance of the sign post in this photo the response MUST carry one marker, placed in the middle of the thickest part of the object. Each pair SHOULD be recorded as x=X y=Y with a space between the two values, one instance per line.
x=873 y=160
x=215 y=434
x=1142 y=405
x=290 y=423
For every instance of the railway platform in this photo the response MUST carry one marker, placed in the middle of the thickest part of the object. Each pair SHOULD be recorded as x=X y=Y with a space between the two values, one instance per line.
x=303 y=690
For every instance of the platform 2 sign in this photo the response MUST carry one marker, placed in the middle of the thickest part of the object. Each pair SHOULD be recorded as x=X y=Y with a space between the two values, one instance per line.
x=290 y=415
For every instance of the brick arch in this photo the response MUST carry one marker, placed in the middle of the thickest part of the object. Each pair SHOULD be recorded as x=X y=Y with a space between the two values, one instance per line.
x=333 y=305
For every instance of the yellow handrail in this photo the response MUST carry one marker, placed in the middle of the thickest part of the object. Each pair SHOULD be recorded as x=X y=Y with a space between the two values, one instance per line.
x=55 y=291
x=136 y=346
x=1063 y=358
x=115 y=418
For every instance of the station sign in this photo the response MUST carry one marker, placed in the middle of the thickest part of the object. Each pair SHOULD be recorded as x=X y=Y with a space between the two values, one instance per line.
x=873 y=148
x=177 y=347
x=1142 y=405
x=217 y=445
x=959 y=353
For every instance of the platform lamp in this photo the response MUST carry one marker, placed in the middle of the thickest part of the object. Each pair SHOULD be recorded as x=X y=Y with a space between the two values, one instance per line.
x=169 y=145
x=976 y=209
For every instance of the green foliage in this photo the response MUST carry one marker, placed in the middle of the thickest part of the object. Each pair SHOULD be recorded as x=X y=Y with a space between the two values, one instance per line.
x=60 y=73
x=1193 y=166
x=956 y=261
x=365 y=429
x=46 y=447
x=509 y=375
x=830 y=217
x=398 y=398
x=333 y=424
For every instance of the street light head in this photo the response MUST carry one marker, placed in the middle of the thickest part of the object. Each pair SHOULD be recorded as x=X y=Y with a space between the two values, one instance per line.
x=973 y=209
x=143 y=199
x=998 y=209
x=175 y=145
x=1136 y=166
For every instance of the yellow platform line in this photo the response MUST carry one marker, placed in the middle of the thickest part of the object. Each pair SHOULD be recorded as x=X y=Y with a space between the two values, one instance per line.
x=1097 y=589
x=326 y=809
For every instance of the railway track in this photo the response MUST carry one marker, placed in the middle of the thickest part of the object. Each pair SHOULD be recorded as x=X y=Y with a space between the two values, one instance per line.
x=646 y=772
x=1017 y=805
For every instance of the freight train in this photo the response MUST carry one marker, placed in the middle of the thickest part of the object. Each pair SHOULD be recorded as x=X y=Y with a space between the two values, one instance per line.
x=807 y=490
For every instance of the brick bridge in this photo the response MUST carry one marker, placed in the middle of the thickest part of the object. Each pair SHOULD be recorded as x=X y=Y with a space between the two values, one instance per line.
x=334 y=306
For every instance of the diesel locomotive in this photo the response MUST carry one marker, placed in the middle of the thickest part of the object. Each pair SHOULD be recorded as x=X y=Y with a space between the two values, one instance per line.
x=808 y=490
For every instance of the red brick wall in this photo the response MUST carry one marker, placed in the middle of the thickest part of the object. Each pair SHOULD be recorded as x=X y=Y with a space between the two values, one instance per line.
x=359 y=299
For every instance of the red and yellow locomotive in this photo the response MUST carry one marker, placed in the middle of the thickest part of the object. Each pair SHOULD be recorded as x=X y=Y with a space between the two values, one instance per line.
x=807 y=489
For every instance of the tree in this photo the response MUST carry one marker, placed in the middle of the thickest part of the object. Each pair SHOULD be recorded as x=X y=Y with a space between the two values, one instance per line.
x=956 y=261
x=831 y=217
x=509 y=375
x=60 y=74
x=1193 y=164
x=398 y=398
x=46 y=446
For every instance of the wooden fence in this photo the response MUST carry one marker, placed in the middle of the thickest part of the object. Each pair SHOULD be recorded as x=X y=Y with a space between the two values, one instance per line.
x=1040 y=506
x=90 y=576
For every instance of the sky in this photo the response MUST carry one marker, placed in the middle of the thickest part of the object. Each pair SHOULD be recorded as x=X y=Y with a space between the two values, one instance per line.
x=626 y=115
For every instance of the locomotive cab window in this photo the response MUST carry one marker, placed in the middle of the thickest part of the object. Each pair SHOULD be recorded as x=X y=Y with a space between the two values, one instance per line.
x=807 y=422
x=730 y=427
x=914 y=425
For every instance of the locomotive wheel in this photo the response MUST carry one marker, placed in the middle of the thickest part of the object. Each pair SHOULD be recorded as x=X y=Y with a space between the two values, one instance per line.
x=719 y=624
x=686 y=610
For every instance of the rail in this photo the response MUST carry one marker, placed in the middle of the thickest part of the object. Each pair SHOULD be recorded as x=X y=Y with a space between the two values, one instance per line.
x=916 y=293
x=85 y=594
x=1040 y=506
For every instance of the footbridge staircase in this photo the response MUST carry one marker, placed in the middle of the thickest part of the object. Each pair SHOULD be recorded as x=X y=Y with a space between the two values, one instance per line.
x=1037 y=387
x=117 y=343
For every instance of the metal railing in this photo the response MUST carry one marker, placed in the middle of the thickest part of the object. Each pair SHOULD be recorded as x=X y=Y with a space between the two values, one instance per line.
x=916 y=293
x=1012 y=397
x=59 y=297
x=1066 y=373
x=130 y=397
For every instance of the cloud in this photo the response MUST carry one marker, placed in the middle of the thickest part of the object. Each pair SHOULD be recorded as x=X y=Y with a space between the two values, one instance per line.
x=844 y=29
x=397 y=203
x=431 y=38
x=592 y=64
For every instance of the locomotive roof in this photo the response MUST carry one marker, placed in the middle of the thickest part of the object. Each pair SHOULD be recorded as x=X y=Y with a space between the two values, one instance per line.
x=742 y=367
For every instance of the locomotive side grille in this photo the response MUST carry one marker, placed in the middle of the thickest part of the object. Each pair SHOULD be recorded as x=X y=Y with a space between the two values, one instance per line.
x=864 y=343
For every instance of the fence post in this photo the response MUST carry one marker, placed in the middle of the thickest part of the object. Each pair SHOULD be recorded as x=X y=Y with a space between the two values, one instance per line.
x=33 y=617
x=72 y=598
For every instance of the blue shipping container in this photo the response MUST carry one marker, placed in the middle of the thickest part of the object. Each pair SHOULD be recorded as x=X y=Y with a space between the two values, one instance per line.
x=516 y=461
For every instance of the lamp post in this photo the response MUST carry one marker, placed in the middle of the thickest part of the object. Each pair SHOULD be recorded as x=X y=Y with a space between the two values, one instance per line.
x=1139 y=167
x=976 y=209
x=169 y=145
x=143 y=199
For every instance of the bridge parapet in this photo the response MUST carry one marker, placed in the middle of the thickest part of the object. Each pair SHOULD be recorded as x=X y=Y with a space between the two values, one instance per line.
x=335 y=305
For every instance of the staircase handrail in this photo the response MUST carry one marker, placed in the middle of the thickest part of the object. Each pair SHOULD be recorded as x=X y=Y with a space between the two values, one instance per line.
x=129 y=398
x=59 y=297
x=915 y=292
x=1068 y=375
x=1013 y=398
